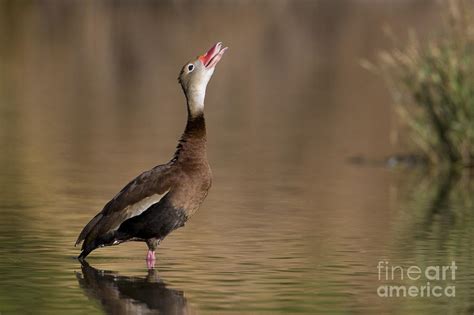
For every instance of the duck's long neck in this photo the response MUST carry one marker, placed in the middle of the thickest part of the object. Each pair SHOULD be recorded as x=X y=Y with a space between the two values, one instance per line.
x=192 y=145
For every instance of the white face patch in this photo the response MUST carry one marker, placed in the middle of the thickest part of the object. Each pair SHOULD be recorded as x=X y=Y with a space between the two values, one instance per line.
x=197 y=92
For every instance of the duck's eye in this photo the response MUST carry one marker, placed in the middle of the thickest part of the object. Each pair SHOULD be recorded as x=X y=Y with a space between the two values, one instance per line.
x=190 y=67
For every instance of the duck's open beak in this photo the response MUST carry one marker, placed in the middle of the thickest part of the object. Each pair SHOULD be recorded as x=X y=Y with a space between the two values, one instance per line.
x=212 y=57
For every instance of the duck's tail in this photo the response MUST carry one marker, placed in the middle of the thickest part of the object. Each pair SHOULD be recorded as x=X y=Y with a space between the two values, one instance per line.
x=85 y=231
x=106 y=240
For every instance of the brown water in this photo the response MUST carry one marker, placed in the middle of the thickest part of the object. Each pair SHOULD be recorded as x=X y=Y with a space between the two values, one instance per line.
x=89 y=99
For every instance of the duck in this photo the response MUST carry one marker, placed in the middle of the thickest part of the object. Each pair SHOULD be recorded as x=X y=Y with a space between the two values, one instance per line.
x=162 y=199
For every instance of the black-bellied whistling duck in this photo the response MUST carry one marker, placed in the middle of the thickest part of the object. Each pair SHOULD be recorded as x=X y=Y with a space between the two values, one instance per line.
x=162 y=199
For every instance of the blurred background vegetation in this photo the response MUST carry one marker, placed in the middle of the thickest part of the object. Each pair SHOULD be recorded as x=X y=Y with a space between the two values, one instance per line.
x=433 y=85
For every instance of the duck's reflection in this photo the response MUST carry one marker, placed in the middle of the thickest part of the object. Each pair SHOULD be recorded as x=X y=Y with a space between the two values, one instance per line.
x=131 y=295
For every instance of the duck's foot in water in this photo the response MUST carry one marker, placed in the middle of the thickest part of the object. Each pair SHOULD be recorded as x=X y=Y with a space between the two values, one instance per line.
x=150 y=259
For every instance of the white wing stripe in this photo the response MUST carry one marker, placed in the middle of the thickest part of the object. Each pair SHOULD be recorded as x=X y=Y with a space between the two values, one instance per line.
x=138 y=208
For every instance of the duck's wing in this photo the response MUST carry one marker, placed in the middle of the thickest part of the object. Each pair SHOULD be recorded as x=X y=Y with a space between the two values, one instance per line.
x=142 y=192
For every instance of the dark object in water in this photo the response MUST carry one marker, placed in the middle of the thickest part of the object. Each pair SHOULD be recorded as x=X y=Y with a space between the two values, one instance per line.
x=408 y=160
x=130 y=295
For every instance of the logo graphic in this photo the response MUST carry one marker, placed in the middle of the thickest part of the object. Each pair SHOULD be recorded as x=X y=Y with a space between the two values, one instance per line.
x=428 y=281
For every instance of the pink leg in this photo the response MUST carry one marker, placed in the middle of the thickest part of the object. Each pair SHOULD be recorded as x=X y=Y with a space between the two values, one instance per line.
x=150 y=259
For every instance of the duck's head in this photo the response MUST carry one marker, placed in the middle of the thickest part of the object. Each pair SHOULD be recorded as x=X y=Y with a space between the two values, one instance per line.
x=196 y=74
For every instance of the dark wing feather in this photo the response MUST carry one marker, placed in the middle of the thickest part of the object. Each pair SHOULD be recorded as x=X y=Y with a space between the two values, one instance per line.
x=155 y=181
